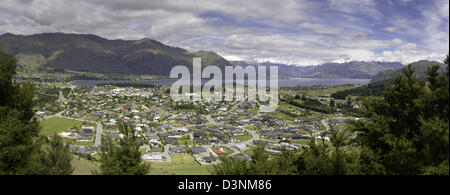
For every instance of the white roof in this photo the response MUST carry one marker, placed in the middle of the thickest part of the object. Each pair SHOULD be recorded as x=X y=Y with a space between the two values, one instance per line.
x=241 y=146
x=182 y=129
x=152 y=157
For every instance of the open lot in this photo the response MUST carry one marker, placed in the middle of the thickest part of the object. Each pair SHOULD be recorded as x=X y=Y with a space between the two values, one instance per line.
x=82 y=166
x=55 y=125
x=182 y=164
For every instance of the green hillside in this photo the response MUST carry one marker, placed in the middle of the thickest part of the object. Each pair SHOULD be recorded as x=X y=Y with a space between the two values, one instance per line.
x=91 y=53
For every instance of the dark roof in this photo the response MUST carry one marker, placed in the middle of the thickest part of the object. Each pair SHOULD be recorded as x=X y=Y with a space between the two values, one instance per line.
x=199 y=134
x=215 y=140
x=155 y=150
x=198 y=150
x=236 y=132
x=176 y=149
x=218 y=135
x=209 y=158
x=83 y=151
x=200 y=141
x=242 y=157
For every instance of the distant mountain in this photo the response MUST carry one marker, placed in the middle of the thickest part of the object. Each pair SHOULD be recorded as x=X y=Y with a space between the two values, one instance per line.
x=91 y=53
x=355 y=69
x=283 y=69
x=420 y=68
x=350 y=70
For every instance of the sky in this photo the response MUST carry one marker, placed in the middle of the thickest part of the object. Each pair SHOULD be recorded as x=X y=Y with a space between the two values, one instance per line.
x=297 y=32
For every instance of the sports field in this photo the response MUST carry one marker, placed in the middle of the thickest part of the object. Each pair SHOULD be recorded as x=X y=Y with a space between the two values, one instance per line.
x=55 y=125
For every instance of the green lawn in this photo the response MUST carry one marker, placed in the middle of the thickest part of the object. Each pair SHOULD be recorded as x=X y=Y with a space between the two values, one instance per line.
x=328 y=91
x=300 y=141
x=55 y=125
x=279 y=114
x=182 y=164
x=243 y=138
x=184 y=142
x=252 y=127
x=82 y=166
x=307 y=141
x=93 y=119
x=249 y=151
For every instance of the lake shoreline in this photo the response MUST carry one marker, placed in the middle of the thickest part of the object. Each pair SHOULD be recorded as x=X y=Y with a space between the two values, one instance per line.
x=291 y=82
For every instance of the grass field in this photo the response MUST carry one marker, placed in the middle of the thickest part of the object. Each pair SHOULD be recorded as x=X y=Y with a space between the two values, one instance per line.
x=243 y=138
x=82 y=166
x=93 y=119
x=250 y=150
x=184 y=142
x=56 y=84
x=301 y=141
x=329 y=91
x=182 y=164
x=55 y=125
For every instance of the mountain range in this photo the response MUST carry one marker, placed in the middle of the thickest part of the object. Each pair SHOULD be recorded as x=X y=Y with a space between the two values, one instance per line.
x=91 y=53
x=349 y=70
x=420 y=68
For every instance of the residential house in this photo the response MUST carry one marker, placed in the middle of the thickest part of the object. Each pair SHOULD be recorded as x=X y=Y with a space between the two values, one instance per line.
x=197 y=151
x=210 y=159
x=177 y=149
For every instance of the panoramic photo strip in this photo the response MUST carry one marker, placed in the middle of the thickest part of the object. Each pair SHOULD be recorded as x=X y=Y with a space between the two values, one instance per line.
x=225 y=95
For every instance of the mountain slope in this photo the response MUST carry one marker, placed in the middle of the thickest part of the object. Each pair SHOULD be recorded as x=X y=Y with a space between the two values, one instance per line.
x=420 y=68
x=91 y=53
x=356 y=69
x=349 y=70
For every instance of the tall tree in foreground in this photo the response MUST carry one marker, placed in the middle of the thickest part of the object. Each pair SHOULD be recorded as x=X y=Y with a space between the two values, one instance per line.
x=17 y=126
x=123 y=158
x=407 y=131
x=260 y=164
x=54 y=157
x=21 y=150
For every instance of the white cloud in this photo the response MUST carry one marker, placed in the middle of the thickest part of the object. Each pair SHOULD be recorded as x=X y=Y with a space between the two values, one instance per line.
x=290 y=31
x=362 y=7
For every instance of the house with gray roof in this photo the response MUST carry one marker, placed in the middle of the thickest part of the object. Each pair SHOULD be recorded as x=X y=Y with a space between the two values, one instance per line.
x=197 y=151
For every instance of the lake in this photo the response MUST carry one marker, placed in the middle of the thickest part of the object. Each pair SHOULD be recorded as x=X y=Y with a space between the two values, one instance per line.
x=281 y=82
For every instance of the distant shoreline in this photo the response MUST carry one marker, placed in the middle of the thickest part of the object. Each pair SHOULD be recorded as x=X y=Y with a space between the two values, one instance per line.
x=291 y=82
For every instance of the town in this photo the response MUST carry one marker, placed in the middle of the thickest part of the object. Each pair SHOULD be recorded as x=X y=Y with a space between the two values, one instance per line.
x=199 y=130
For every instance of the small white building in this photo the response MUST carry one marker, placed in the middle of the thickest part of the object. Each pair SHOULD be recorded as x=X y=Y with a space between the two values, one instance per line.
x=323 y=138
x=175 y=136
x=182 y=129
x=155 y=157
x=241 y=146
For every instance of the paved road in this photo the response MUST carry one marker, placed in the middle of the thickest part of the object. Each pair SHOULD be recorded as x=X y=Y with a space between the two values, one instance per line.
x=98 y=134
x=61 y=97
x=325 y=124
x=210 y=120
x=166 y=153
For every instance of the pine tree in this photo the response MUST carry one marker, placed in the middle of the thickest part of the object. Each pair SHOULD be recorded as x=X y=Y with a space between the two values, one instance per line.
x=407 y=129
x=54 y=158
x=21 y=150
x=17 y=128
x=124 y=158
